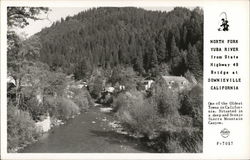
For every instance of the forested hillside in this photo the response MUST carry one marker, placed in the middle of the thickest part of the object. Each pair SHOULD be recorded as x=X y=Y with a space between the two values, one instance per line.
x=149 y=41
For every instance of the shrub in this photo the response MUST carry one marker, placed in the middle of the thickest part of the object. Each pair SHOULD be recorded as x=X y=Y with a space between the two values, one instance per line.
x=137 y=114
x=82 y=98
x=192 y=142
x=125 y=76
x=28 y=102
x=52 y=104
x=55 y=84
x=179 y=141
x=166 y=100
x=96 y=87
x=62 y=108
x=21 y=128
x=125 y=100
x=67 y=108
x=192 y=105
x=35 y=109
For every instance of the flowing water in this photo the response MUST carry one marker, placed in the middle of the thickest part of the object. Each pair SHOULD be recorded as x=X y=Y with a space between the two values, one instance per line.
x=87 y=133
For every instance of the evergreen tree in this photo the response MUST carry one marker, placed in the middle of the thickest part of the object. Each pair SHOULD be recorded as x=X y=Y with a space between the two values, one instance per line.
x=138 y=64
x=184 y=37
x=193 y=62
x=174 y=48
x=154 y=60
x=161 y=48
x=82 y=70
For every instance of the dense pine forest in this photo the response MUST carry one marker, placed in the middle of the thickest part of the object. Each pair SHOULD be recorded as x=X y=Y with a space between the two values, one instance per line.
x=149 y=41
x=144 y=67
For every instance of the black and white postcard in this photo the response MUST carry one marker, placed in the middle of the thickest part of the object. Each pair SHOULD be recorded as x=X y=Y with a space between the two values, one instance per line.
x=133 y=79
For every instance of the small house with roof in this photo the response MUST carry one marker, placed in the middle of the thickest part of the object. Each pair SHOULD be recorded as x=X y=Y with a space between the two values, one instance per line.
x=176 y=82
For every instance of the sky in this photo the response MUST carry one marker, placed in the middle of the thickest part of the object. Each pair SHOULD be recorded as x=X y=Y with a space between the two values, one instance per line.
x=58 y=13
x=53 y=15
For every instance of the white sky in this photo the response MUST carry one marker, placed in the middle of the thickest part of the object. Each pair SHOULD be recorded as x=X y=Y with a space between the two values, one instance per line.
x=56 y=14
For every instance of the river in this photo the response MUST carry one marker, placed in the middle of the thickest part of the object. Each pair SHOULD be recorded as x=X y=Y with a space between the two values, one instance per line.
x=89 y=132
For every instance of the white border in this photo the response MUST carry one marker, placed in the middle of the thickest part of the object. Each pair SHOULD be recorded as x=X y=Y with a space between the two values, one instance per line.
x=206 y=5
